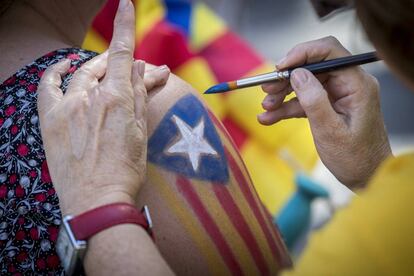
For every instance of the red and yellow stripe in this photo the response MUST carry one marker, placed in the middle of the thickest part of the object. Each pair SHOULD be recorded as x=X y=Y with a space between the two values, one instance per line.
x=193 y=226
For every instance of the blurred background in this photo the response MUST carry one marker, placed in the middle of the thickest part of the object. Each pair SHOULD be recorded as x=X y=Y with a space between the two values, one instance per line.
x=273 y=27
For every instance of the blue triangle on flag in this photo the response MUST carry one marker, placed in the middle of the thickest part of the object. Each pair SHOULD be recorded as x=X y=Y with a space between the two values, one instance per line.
x=208 y=162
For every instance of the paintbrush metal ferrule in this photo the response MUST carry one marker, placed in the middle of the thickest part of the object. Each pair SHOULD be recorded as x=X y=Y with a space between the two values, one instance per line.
x=263 y=78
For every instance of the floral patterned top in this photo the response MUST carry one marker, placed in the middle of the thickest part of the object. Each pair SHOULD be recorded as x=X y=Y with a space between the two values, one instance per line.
x=29 y=207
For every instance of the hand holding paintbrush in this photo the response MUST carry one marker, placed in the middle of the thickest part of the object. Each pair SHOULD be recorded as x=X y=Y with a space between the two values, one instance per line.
x=342 y=107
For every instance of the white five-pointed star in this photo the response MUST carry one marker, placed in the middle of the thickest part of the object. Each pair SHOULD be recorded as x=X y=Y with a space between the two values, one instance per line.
x=192 y=142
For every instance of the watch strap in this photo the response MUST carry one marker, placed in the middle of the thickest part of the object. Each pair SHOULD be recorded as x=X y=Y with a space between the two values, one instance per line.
x=92 y=222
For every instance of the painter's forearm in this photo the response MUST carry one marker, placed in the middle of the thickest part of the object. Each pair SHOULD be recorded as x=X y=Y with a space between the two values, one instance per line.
x=125 y=249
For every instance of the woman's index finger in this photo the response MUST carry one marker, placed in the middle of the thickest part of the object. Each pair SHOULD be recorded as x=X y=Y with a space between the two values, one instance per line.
x=122 y=45
x=313 y=51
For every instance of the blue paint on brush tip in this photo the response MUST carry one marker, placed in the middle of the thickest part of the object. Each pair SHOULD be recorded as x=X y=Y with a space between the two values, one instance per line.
x=219 y=88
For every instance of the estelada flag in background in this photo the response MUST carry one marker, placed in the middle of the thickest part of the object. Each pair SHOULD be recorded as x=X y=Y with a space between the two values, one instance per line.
x=200 y=49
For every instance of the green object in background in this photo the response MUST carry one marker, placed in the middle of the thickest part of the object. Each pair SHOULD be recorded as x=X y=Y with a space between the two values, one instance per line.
x=294 y=218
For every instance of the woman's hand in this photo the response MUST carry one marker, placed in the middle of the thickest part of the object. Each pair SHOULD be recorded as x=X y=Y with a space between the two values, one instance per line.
x=343 y=109
x=95 y=136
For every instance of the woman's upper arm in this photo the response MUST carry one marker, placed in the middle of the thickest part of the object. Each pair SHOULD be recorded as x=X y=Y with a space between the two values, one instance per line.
x=204 y=206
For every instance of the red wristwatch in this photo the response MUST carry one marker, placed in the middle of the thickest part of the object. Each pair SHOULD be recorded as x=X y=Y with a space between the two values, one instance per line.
x=75 y=231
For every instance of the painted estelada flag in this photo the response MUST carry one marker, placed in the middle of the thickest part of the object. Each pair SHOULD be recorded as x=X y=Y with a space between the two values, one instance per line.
x=198 y=47
x=195 y=168
x=188 y=144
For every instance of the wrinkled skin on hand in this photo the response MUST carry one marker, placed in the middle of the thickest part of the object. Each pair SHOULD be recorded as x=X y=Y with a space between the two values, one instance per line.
x=342 y=106
x=95 y=136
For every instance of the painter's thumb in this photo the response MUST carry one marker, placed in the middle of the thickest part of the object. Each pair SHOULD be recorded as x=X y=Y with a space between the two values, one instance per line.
x=312 y=97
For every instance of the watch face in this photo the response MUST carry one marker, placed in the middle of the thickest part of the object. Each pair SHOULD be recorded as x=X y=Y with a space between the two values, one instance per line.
x=65 y=248
x=70 y=250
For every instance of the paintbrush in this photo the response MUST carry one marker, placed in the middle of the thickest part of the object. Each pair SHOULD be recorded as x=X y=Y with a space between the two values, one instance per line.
x=316 y=68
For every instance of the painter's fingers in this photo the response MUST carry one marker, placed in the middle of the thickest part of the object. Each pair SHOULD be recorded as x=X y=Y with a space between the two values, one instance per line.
x=314 y=99
x=121 y=48
x=313 y=51
x=156 y=77
x=284 y=86
x=49 y=92
x=274 y=101
x=276 y=87
x=288 y=110
x=89 y=73
x=140 y=92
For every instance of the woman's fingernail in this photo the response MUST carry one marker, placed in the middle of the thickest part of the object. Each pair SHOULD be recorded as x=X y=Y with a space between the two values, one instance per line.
x=267 y=102
x=164 y=68
x=299 y=77
x=265 y=86
x=123 y=4
x=261 y=116
x=65 y=63
x=280 y=63
x=141 y=68
x=266 y=105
